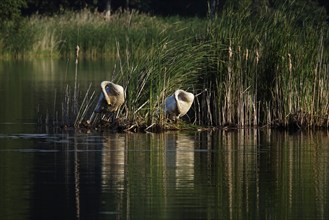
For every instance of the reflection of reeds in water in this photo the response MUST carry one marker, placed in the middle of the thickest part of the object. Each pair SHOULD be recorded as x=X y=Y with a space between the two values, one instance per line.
x=231 y=173
x=155 y=165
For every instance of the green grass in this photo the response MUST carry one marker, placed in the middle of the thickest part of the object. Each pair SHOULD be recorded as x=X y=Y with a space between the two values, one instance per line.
x=258 y=70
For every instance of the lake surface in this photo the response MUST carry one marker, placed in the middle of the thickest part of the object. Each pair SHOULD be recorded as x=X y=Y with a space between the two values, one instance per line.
x=53 y=174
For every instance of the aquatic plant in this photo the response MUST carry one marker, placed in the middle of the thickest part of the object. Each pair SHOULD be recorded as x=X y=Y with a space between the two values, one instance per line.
x=259 y=70
x=266 y=76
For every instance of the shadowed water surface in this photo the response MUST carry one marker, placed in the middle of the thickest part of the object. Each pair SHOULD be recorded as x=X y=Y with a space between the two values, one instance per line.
x=49 y=174
x=215 y=175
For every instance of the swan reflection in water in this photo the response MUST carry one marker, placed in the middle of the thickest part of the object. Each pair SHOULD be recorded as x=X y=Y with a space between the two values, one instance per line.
x=175 y=157
x=114 y=161
x=180 y=159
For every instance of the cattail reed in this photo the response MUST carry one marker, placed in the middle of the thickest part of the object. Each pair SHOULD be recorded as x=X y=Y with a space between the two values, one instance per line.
x=271 y=73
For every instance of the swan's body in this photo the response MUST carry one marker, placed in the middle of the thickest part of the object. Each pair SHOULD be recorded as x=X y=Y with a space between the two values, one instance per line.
x=111 y=97
x=179 y=103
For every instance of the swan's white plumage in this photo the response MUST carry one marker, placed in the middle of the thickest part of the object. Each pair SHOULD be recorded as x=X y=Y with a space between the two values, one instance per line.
x=179 y=103
x=111 y=98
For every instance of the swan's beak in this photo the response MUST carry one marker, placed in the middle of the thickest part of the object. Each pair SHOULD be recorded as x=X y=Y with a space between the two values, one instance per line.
x=108 y=100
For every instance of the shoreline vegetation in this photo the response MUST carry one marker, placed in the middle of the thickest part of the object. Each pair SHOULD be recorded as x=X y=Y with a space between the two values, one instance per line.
x=259 y=70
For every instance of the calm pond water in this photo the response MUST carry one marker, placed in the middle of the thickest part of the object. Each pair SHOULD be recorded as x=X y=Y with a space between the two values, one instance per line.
x=245 y=174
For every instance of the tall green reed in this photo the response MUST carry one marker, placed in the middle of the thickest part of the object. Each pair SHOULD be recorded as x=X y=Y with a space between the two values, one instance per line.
x=268 y=69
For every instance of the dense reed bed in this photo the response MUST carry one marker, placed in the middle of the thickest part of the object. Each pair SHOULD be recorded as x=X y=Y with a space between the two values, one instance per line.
x=259 y=70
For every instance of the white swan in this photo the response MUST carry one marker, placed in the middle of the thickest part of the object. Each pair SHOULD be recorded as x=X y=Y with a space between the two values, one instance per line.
x=111 y=98
x=179 y=103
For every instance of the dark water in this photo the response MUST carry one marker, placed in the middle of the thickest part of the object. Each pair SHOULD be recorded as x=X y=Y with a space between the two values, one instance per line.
x=245 y=174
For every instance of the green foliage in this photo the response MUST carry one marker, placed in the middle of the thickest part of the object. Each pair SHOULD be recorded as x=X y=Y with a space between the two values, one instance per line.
x=269 y=71
x=11 y=9
x=258 y=69
x=17 y=39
